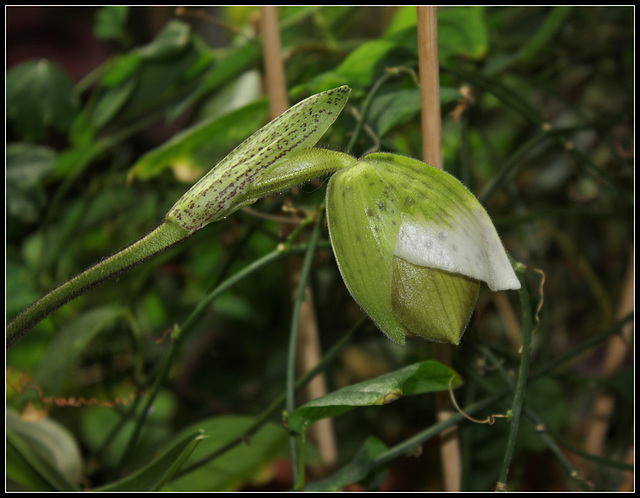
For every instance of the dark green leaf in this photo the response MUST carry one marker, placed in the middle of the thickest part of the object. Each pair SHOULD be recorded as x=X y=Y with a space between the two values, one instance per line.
x=239 y=464
x=154 y=475
x=111 y=22
x=395 y=108
x=359 y=469
x=70 y=342
x=27 y=167
x=46 y=448
x=40 y=95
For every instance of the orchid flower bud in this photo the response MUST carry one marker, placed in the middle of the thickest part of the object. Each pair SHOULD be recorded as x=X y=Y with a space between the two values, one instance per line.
x=412 y=244
x=251 y=170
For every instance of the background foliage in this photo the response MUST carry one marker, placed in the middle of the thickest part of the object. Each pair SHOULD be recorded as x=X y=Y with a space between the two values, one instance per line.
x=112 y=113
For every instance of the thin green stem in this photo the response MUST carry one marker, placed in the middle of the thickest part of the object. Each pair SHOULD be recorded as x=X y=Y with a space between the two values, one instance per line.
x=367 y=105
x=164 y=236
x=532 y=419
x=293 y=340
x=521 y=384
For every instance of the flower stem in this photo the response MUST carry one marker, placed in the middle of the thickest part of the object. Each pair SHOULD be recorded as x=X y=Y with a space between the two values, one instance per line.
x=162 y=237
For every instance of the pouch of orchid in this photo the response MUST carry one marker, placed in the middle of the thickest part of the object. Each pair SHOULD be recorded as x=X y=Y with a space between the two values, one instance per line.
x=412 y=244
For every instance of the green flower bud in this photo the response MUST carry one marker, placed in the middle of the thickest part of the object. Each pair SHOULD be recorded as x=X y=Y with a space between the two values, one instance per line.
x=412 y=244
x=252 y=170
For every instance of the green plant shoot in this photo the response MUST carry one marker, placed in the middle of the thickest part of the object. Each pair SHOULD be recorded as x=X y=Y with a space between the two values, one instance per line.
x=249 y=172
x=412 y=243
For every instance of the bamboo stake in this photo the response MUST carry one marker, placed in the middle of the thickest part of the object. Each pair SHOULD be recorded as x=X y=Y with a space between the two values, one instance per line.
x=308 y=350
x=616 y=352
x=429 y=71
x=432 y=154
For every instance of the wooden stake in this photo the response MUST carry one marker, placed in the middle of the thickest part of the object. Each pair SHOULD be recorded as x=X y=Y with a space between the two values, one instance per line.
x=432 y=154
x=429 y=71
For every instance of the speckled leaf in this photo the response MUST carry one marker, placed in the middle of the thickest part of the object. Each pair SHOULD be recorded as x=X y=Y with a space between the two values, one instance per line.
x=230 y=185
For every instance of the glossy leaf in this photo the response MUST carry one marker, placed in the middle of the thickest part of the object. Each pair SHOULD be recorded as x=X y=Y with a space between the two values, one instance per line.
x=419 y=378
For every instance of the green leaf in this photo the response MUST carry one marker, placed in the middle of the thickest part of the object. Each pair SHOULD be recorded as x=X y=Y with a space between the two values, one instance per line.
x=70 y=342
x=40 y=95
x=360 y=66
x=227 y=67
x=46 y=449
x=237 y=466
x=172 y=40
x=26 y=168
x=419 y=378
x=398 y=107
x=195 y=149
x=111 y=102
x=543 y=36
x=357 y=470
x=154 y=475
x=111 y=23
x=462 y=31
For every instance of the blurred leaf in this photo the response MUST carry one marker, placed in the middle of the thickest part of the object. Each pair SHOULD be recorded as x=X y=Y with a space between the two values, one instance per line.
x=120 y=68
x=153 y=476
x=173 y=39
x=199 y=148
x=39 y=95
x=26 y=168
x=545 y=33
x=70 y=342
x=419 y=378
x=112 y=102
x=47 y=448
x=226 y=68
x=110 y=23
x=237 y=466
x=357 y=470
x=462 y=32
x=398 y=107
x=359 y=68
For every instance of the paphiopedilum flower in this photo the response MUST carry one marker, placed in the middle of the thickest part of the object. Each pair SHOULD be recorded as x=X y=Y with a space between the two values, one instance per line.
x=412 y=244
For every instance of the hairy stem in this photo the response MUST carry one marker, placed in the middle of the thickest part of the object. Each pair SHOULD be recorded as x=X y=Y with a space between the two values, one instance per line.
x=162 y=237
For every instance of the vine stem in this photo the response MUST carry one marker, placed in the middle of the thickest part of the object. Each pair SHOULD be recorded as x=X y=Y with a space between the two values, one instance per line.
x=162 y=237
x=298 y=477
x=521 y=384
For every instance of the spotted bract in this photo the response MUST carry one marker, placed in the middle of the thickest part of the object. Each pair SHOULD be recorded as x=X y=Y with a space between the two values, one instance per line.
x=239 y=179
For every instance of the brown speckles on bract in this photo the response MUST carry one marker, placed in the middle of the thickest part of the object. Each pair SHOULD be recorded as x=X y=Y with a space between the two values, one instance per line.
x=229 y=185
